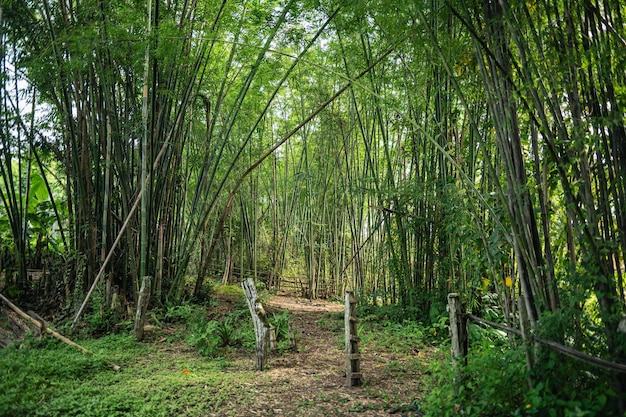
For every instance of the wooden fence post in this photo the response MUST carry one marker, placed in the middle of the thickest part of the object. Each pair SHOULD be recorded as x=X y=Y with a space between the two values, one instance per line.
x=458 y=333
x=458 y=328
x=272 y=339
x=353 y=357
x=525 y=328
x=142 y=306
x=261 y=323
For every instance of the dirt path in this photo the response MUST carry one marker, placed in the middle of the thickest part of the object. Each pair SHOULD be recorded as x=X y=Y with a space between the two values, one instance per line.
x=311 y=381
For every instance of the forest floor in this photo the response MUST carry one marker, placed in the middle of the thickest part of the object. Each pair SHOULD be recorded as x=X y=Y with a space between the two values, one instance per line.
x=311 y=381
x=165 y=375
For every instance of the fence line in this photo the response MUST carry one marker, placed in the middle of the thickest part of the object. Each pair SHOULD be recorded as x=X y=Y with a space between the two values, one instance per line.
x=296 y=283
x=573 y=353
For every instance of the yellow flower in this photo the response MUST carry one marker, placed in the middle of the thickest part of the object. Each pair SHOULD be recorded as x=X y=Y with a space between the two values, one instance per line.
x=528 y=406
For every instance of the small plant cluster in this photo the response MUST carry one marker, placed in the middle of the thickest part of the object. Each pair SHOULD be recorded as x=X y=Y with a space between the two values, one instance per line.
x=211 y=336
x=282 y=325
x=208 y=336
x=101 y=320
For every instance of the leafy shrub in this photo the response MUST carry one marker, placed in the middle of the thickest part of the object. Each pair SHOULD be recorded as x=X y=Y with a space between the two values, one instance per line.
x=202 y=333
x=396 y=313
x=389 y=326
x=204 y=338
x=495 y=382
x=179 y=313
x=209 y=336
x=101 y=321
x=281 y=322
x=542 y=401
x=398 y=337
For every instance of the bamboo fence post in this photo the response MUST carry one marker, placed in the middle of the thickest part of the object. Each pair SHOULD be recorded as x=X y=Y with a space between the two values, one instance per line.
x=353 y=357
x=458 y=328
x=142 y=306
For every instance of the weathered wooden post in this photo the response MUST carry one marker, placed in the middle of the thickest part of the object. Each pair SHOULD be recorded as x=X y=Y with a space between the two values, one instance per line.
x=525 y=327
x=272 y=339
x=458 y=328
x=261 y=324
x=458 y=333
x=142 y=306
x=353 y=357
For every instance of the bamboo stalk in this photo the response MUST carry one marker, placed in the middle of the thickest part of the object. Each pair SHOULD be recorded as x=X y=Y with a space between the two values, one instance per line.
x=278 y=144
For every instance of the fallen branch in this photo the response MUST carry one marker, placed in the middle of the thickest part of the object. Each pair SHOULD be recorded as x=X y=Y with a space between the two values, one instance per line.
x=41 y=326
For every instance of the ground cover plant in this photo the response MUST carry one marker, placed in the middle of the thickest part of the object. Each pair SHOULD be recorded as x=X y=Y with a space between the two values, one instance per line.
x=48 y=378
x=199 y=361
x=496 y=382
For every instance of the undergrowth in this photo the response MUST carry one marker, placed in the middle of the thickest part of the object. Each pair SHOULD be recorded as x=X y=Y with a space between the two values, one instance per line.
x=387 y=327
x=212 y=335
x=495 y=382
x=168 y=375
x=282 y=325
x=48 y=378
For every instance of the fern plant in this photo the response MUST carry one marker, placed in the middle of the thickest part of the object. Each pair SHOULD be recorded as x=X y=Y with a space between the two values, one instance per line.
x=225 y=332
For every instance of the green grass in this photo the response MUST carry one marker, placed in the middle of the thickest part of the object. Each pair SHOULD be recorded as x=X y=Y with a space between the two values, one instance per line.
x=234 y=291
x=380 y=331
x=52 y=379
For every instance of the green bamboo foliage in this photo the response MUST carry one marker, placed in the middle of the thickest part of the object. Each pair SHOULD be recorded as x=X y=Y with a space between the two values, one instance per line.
x=96 y=99
x=503 y=111
x=402 y=151
x=28 y=207
x=542 y=76
x=15 y=170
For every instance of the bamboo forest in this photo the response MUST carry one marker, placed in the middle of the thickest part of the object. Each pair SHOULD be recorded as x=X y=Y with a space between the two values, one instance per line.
x=188 y=185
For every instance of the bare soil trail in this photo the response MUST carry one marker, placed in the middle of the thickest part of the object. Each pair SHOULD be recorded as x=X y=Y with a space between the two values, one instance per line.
x=312 y=382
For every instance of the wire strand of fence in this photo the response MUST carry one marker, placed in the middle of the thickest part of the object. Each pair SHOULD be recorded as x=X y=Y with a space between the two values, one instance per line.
x=573 y=353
